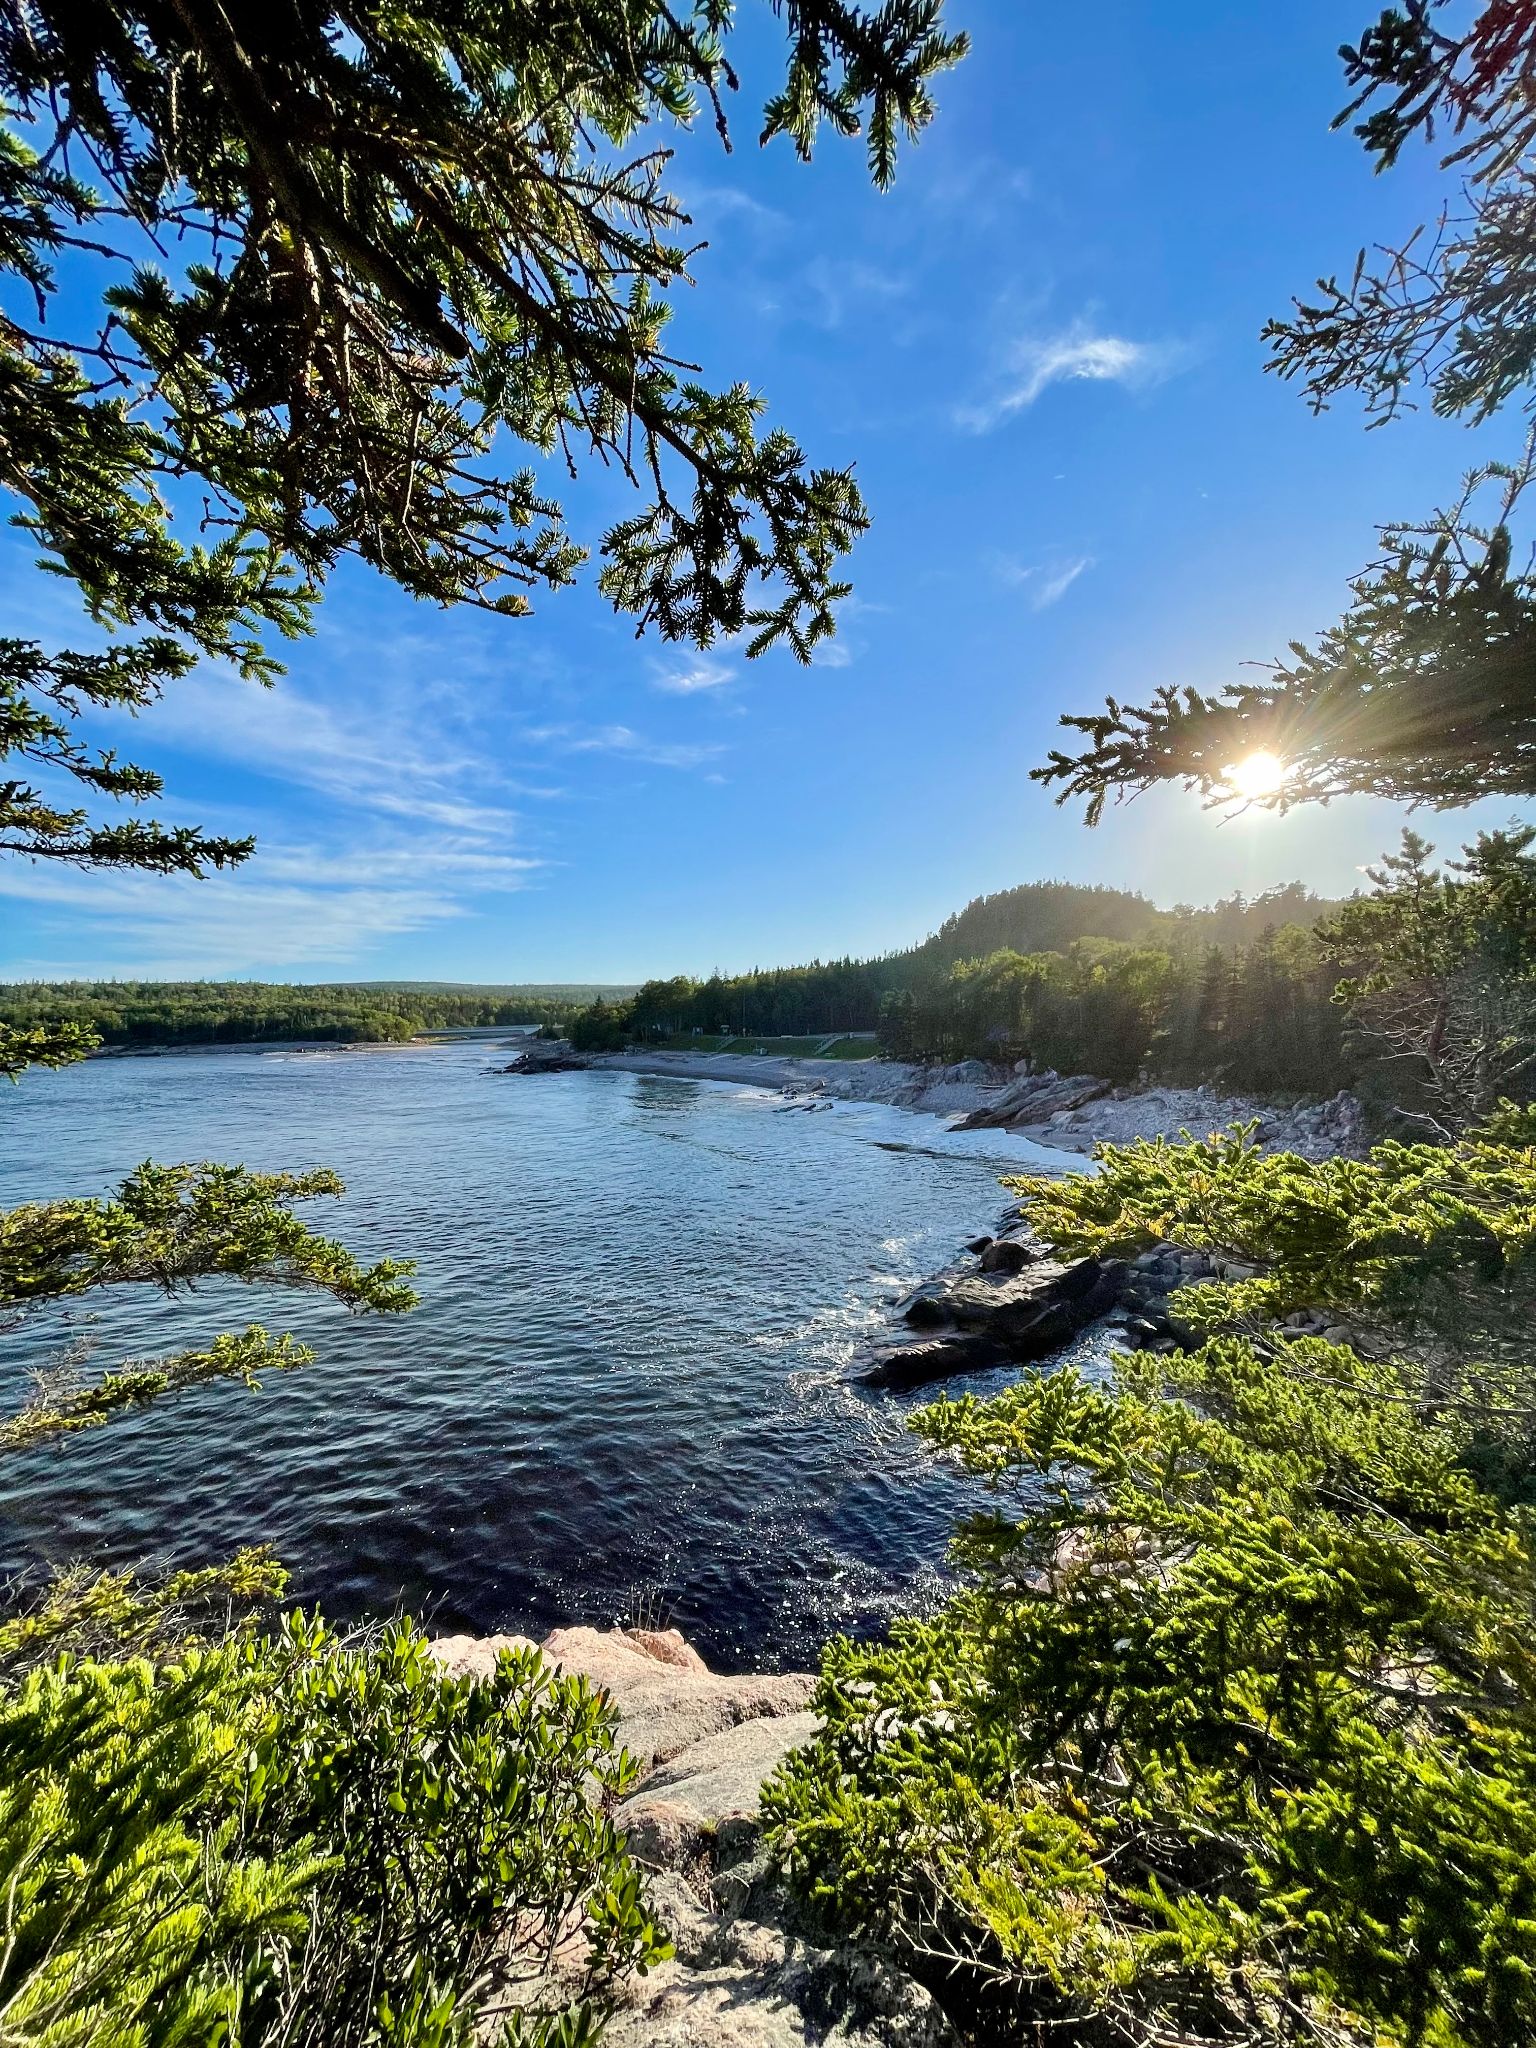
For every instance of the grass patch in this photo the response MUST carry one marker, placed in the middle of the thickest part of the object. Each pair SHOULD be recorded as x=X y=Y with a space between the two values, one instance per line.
x=851 y=1049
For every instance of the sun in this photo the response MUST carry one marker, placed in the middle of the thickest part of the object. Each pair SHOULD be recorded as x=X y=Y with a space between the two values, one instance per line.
x=1261 y=774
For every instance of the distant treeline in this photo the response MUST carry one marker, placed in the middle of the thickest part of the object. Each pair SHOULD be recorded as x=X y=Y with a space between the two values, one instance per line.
x=1093 y=980
x=246 y=1012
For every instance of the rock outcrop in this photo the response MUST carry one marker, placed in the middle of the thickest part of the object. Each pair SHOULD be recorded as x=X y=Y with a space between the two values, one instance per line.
x=1078 y=1112
x=555 y=1058
x=1034 y=1099
x=749 y=1970
x=666 y=1697
x=704 y=1802
x=748 y=1975
x=1007 y=1302
x=475 y=1656
x=1015 y=1307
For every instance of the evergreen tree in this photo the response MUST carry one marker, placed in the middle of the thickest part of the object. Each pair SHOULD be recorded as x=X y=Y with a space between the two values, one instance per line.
x=1225 y=1735
x=1211 y=1006
x=401 y=241
x=1442 y=974
x=1423 y=690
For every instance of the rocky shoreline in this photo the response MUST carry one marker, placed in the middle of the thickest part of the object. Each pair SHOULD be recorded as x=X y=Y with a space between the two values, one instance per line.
x=1071 y=1113
x=1007 y=1301
x=750 y=1970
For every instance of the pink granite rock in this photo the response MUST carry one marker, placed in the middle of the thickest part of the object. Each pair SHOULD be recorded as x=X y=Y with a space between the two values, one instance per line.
x=475 y=1656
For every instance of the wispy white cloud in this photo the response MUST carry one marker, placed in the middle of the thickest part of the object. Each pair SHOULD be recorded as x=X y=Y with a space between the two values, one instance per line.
x=1042 y=582
x=832 y=654
x=693 y=678
x=370 y=755
x=413 y=828
x=972 y=189
x=294 y=908
x=1075 y=354
x=828 y=289
x=621 y=740
x=415 y=860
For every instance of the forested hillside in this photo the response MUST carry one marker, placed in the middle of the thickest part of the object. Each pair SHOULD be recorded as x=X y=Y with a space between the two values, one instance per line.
x=240 y=1012
x=1040 y=917
x=1086 y=978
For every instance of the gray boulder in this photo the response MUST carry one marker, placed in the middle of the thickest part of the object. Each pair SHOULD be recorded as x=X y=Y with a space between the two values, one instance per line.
x=925 y=1310
x=995 y=1318
x=705 y=1800
x=918 y=1365
x=1035 y=1099
x=1007 y=1255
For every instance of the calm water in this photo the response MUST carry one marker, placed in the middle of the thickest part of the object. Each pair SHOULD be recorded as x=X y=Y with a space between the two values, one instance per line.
x=626 y=1384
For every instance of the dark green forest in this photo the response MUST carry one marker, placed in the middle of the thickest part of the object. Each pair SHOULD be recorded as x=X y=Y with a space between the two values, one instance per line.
x=246 y=1012
x=1075 y=976
x=1088 y=978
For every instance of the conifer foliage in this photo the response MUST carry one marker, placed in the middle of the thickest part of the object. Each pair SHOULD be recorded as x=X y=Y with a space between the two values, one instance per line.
x=1229 y=1737
x=169 y=1227
x=1443 y=980
x=1423 y=689
x=299 y=275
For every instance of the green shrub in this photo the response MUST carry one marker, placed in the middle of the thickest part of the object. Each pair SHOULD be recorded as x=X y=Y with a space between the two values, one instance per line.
x=115 y=1616
x=1231 y=1734
x=283 y=1838
x=1434 y=1244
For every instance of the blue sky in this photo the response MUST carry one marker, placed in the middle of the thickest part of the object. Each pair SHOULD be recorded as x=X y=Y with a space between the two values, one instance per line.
x=1041 y=351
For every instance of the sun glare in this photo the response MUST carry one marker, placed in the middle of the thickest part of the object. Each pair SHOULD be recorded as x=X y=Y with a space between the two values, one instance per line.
x=1261 y=774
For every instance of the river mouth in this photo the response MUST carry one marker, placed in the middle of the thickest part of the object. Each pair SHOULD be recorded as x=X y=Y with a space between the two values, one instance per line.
x=625 y=1393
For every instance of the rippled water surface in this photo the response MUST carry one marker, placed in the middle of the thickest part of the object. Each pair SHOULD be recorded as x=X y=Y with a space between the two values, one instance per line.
x=625 y=1387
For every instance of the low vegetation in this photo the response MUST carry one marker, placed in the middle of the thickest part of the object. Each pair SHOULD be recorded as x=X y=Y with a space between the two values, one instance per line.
x=1229 y=1736
x=276 y=1835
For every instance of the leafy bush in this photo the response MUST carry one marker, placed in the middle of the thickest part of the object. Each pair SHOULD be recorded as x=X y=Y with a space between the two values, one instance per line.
x=1231 y=1735
x=115 y=1616
x=283 y=1838
x=1435 y=1244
